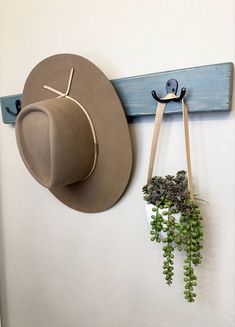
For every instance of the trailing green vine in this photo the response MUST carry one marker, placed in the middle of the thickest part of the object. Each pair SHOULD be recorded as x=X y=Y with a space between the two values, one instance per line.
x=170 y=196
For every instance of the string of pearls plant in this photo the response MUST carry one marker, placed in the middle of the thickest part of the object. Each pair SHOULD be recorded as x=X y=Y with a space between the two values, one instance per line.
x=170 y=196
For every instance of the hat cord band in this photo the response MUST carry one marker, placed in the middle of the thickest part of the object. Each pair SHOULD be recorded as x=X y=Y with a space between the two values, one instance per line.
x=65 y=95
x=93 y=134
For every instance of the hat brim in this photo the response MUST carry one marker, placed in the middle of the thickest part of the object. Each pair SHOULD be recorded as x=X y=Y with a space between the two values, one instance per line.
x=95 y=92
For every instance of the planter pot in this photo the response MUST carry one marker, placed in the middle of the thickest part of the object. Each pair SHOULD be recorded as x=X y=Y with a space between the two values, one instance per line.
x=149 y=212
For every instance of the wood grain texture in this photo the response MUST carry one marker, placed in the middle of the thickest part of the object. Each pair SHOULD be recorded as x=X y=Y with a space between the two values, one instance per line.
x=209 y=89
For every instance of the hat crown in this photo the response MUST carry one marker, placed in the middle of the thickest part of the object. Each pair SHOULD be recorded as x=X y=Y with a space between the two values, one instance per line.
x=56 y=151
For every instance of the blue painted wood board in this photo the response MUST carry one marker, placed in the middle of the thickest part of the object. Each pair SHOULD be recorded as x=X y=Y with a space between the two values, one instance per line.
x=9 y=101
x=209 y=89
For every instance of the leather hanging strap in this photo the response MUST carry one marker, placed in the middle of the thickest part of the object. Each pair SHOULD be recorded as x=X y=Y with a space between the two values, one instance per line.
x=157 y=126
x=187 y=149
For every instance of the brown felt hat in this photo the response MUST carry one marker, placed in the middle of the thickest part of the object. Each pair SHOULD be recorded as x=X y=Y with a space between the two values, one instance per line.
x=72 y=133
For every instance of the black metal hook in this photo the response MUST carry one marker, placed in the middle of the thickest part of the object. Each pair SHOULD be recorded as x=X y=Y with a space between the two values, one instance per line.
x=18 y=108
x=171 y=87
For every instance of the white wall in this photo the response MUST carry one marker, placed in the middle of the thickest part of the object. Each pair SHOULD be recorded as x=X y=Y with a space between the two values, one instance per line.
x=62 y=268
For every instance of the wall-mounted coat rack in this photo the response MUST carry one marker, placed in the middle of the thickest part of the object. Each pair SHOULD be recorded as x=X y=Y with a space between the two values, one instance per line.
x=208 y=89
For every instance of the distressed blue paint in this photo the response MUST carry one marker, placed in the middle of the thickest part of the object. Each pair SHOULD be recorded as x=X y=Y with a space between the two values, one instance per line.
x=9 y=101
x=209 y=89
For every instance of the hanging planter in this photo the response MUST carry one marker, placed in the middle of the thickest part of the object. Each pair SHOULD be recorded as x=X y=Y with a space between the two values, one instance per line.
x=177 y=223
x=174 y=215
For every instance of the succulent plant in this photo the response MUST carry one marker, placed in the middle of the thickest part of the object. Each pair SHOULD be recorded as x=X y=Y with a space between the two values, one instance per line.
x=171 y=195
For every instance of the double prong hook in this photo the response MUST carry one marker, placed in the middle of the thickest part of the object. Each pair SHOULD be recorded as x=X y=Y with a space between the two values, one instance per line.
x=171 y=87
x=17 y=108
